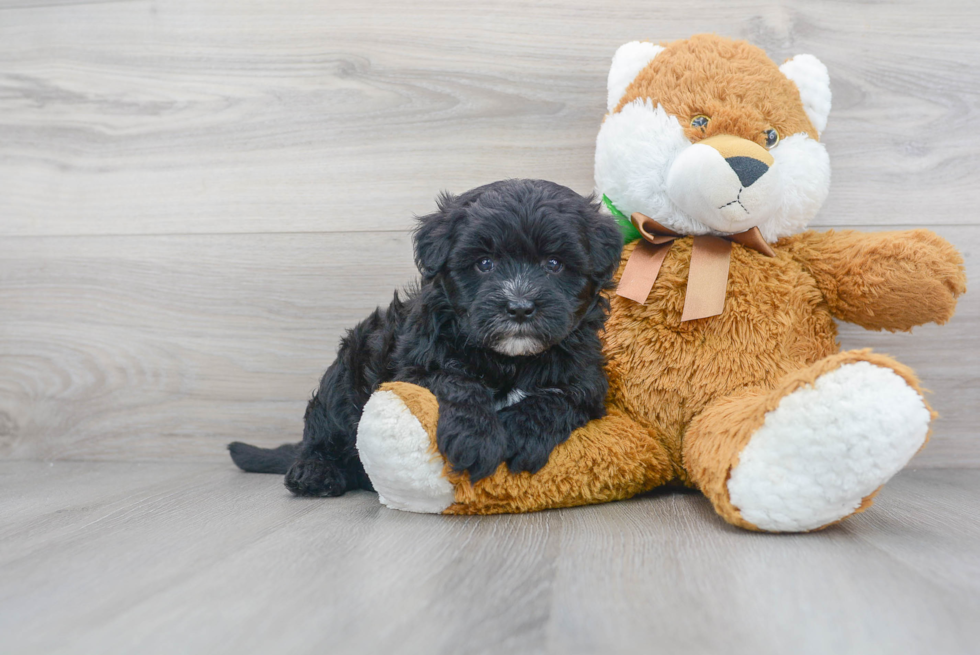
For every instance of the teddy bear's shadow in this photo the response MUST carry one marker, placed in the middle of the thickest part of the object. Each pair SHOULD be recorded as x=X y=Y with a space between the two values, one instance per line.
x=883 y=524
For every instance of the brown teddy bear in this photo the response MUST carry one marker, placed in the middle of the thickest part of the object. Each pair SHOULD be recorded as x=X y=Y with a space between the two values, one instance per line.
x=724 y=367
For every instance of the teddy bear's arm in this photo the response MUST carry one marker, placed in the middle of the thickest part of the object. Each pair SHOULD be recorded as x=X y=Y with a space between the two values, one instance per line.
x=883 y=280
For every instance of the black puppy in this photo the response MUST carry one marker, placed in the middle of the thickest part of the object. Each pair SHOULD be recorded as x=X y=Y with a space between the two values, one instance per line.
x=503 y=329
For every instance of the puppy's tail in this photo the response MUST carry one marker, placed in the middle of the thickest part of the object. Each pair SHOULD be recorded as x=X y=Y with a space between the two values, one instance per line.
x=263 y=460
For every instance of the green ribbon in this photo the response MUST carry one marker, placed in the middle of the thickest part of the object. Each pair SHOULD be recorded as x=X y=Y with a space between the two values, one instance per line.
x=630 y=233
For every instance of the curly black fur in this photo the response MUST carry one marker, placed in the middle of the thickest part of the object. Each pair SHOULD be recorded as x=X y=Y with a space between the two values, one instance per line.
x=526 y=331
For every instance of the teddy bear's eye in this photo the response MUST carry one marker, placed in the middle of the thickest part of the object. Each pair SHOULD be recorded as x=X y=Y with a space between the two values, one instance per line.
x=700 y=121
x=772 y=137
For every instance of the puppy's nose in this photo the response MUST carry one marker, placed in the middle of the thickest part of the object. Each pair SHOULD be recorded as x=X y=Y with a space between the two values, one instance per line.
x=521 y=309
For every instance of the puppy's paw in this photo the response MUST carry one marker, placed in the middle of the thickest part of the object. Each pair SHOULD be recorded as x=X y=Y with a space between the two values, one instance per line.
x=530 y=440
x=315 y=477
x=531 y=458
x=479 y=451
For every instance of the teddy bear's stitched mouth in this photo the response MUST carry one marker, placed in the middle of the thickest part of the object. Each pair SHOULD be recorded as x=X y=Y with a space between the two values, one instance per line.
x=738 y=199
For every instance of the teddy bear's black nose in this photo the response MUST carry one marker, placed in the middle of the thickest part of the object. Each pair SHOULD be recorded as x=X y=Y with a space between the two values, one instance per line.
x=748 y=169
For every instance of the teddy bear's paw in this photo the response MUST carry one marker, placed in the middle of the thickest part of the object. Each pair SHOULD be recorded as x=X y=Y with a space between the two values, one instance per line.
x=397 y=453
x=826 y=448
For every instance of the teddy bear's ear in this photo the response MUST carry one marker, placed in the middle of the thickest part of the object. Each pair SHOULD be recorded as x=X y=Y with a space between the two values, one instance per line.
x=627 y=63
x=811 y=78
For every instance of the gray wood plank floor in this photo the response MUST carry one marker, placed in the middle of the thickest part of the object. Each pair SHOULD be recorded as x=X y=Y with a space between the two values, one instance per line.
x=182 y=558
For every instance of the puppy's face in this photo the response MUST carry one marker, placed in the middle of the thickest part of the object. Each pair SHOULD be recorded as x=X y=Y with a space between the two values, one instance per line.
x=521 y=262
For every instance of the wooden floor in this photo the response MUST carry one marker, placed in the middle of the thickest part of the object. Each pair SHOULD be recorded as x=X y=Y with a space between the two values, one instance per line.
x=181 y=558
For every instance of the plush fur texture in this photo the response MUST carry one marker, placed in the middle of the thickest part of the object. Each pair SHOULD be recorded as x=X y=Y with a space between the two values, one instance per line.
x=503 y=329
x=394 y=445
x=727 y=404
x=812 y=79
x=629 y=60
x=646 y=152
x=789 y=476
x=814 y=453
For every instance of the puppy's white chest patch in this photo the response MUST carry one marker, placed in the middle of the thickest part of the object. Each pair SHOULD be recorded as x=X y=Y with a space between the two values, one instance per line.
x=514 y=397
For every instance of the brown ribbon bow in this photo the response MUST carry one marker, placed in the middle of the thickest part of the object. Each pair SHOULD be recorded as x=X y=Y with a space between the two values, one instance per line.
x=707 y=278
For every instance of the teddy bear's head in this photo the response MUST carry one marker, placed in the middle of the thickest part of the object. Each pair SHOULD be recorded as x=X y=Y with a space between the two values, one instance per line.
x=709 y=136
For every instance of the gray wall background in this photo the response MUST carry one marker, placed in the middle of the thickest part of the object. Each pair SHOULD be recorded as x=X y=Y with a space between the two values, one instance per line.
x=196 y=198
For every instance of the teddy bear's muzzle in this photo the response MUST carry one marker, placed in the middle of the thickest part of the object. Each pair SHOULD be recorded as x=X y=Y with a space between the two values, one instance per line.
x=725 y=182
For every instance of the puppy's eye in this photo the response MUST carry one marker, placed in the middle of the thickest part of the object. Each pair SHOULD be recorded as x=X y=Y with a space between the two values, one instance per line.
x=772 y=137
x=485 y=265
x=553 y=266
x=700 y=121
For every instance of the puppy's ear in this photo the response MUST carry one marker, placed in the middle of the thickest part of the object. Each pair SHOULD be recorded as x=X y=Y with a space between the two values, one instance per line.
x=606 y=243
x=434 y=236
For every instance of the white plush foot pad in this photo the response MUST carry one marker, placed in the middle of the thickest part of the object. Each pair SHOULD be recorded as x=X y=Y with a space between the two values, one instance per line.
x=827 y=447
x=394 y=448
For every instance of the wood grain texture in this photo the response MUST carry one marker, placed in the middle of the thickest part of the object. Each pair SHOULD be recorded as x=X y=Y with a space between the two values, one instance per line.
x=168 y=347
x=197 y=198
x=164 y=558
x=227 y=116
